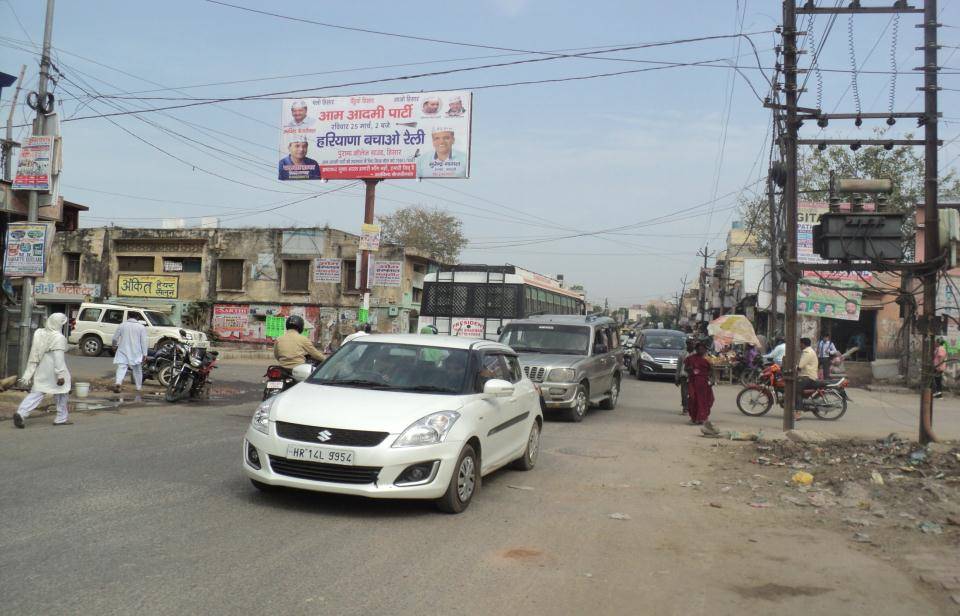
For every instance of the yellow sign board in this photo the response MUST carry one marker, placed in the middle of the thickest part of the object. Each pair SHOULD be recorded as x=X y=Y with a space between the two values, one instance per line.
x=147 y=285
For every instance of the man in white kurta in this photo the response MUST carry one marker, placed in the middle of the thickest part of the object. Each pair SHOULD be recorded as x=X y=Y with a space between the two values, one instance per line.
x=47 y=370
x=130 y=344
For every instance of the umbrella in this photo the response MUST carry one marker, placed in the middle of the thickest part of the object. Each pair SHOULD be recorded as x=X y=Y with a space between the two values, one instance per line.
x=732 y=329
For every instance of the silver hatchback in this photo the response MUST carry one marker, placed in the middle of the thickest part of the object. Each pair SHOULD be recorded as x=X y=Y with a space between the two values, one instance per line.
x=575 y=361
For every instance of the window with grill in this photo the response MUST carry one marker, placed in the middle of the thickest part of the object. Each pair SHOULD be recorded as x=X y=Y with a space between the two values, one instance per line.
x=296 y=276
x=350 y=276
x=71 y=261
x=231 y=274
x=135 y=264
x=187 y=265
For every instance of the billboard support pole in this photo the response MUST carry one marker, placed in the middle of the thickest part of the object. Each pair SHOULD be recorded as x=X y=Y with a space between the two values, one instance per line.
x=33 y=212
x=368 y=210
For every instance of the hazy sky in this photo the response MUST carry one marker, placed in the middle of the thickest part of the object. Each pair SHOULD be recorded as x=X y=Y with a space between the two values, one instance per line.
x=631 y=155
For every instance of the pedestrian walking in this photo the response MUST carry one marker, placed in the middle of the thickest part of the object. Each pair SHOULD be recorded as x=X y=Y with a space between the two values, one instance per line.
x=939 y=367
x=826 y=351
x=47 y=370
x=130 y=351
x=681 y=378
x=699 y=385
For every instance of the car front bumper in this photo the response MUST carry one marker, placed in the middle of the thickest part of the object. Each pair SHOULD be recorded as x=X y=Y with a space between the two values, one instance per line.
x=558 y=395
x=391 y=462
x=657 y=369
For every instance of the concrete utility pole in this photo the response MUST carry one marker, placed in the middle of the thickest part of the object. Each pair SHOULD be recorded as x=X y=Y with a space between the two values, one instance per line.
x=33 y=212
x=705 y=253
x=8 y=142
x=683 y=290
x=774 y=275
x=929 y=325
x=368 y=207
x=790 y=206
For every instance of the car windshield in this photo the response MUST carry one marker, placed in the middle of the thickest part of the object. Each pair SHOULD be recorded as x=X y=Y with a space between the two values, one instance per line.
x=672 y=343
x=158 y=319
x=399 y=367
x=534 y=338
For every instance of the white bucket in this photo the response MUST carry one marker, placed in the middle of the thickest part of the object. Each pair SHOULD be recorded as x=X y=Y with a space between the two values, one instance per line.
x=82 y=389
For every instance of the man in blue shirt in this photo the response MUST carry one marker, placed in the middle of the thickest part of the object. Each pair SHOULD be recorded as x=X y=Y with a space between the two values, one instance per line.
x=296 y=166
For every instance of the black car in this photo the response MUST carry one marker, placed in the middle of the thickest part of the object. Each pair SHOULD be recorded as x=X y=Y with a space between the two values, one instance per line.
x=656 y=352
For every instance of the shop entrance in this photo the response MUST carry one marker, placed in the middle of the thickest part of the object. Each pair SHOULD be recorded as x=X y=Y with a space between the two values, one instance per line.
x=848 y=334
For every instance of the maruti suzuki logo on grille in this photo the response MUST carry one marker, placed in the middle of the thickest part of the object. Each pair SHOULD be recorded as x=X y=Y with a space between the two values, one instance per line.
x=325 y=436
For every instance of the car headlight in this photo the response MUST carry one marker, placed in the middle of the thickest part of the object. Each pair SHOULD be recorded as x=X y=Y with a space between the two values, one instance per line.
x=261 y=417
x=562 y=375
x=646 y=356
x=428 y=430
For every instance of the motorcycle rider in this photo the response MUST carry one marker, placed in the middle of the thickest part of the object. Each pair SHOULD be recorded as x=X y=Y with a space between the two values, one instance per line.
x=806 y=371
x=776 y=354
x=292 y=348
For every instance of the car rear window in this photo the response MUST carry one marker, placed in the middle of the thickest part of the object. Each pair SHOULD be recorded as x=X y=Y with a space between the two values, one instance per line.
x=90 y=314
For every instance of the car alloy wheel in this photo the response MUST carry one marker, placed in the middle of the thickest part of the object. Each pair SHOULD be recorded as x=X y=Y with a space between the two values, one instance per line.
x=466 y=479
x=611 y=402
x=528 y=460
x=91 y=346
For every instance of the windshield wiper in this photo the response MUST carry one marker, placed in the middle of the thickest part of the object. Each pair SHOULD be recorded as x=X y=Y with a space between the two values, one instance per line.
x=354 y=383
x=427 y=388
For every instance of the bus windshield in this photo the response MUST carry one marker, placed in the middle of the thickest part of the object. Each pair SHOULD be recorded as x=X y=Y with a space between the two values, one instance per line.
x=560 y=339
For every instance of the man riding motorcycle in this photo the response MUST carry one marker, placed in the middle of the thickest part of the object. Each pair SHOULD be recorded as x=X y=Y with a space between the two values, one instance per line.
x=292 y=348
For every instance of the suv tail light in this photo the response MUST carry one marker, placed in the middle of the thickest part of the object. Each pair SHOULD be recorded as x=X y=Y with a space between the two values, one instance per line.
x=274 y=373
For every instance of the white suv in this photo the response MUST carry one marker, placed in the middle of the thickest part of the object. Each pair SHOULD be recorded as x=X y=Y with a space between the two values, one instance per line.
x=96 y=324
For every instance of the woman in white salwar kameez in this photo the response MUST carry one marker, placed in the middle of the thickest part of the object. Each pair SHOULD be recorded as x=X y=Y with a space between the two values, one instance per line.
x=47 y=369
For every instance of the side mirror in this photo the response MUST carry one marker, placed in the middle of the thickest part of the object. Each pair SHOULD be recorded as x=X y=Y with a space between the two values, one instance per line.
x=498 y=388
x=301 y=372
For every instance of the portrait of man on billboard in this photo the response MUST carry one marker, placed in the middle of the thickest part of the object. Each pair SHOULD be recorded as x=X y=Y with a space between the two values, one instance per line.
x=296 y=165
x=299 y=119
x=444 y=161
x=455 y=108
x=431 y=107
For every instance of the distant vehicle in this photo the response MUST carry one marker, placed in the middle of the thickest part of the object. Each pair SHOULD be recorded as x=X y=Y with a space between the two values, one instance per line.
x=575 y=360
x=398 y=416
x=97 y=323
x=656 y=351
x=477 y=301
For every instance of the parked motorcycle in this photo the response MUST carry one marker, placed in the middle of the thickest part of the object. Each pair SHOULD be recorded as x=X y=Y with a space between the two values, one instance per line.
x=279 y=379
x=159 y=365
x=826 y=401
x=748 y=374
x=190 y=372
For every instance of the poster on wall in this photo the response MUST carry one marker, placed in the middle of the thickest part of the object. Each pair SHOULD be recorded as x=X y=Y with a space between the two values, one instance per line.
x=387 y=273
x=327 y=270
x=467 y=328
x=833 y=303
x=26 y=249
x=385 y=136
x=147 y=285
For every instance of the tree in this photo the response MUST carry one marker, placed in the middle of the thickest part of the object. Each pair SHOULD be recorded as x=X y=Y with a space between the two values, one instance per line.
x=431 y=230
x=902 y=164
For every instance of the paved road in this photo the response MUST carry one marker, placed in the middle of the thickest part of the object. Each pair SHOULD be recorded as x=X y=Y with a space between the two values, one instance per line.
x=144 y=510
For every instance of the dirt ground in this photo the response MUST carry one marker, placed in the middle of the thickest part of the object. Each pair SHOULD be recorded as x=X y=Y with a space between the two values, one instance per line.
x=892 y=498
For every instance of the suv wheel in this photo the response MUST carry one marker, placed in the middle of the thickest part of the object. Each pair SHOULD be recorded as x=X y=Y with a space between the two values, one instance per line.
x=581 y=402
x=91 y=346
x=611 y=402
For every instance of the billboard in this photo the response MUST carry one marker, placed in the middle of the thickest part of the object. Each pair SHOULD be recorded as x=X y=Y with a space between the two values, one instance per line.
x=35 y=168
x=26 y=253
x=833 y=303
x=379 y=136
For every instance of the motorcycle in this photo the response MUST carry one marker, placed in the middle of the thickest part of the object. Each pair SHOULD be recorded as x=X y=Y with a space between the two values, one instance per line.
x=628 y=350
x=827 y=400
x=748 y=374
x=190 y=372
x=159 y=365
x=279 y=379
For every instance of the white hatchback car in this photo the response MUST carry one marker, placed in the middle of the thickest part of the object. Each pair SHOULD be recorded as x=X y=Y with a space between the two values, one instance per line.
x=399 y=416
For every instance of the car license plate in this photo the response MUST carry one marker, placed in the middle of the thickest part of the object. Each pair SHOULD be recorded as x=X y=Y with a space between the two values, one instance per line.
x=326 y=455
x=274 y=384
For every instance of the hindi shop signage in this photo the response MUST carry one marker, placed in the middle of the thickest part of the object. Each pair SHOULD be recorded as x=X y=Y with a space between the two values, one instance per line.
x=26 y=253
x=327 y=270
x=65 y=291
x=387 y=273
x=381 y=136
x=146 y=285
x=467 y=328
x=35 y=166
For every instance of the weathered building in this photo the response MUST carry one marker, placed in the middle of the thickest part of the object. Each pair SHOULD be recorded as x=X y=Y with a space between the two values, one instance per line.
x=236 y=282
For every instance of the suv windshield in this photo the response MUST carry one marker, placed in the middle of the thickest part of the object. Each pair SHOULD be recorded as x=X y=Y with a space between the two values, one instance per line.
x=662 y=341
x=535 y=338
x=158 y=319
x=399 y=367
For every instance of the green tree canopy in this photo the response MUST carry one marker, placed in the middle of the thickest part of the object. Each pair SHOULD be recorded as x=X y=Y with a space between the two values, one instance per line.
x=431 y=230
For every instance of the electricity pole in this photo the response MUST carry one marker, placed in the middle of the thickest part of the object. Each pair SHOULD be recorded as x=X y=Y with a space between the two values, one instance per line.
x=790 y=206
x=774 y=282
x=370 y=198
x=33 y=204
x=683 y=290
x=8 y=142
x=705 y=253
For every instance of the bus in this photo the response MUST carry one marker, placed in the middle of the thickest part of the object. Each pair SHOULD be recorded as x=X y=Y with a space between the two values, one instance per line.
x=476 y=301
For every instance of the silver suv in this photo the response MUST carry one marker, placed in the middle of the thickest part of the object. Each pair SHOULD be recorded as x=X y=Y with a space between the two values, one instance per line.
x=575 y=361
